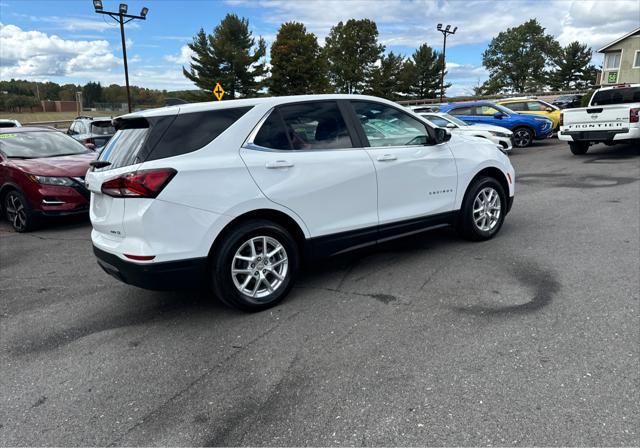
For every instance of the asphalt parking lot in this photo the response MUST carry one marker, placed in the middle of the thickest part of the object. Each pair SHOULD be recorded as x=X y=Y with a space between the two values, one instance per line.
x=527 y=339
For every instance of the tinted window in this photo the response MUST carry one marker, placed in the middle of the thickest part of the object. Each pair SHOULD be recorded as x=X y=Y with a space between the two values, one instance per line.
x=123 y=148
x=460 y=111
x=388 y=126
x=516 y=107
x=616 y=96
x=317 y=125
x=7 y=124
x=272 y=133
x=192 y=131
x=486 y=110
x=39 y=144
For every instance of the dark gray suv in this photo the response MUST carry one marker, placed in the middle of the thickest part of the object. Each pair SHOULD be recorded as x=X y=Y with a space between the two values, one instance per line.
x=93 y=132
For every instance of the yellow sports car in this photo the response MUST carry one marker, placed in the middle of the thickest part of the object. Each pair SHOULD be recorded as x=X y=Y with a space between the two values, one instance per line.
x=533 y=106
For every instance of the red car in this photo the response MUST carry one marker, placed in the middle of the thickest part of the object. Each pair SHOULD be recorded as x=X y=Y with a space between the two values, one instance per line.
x=41 y=174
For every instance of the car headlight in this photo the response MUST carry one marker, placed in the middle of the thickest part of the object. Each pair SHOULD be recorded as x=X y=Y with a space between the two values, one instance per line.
x=499 y=134
x=53 y=180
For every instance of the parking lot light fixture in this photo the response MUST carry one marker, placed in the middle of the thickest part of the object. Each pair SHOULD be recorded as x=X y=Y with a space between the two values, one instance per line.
x=444 y=32
x=122 y=17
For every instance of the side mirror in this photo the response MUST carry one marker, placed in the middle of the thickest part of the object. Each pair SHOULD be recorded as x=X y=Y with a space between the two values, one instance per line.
x=549 y=109
x=451 y=126
x=442 y=135
x=498 y=115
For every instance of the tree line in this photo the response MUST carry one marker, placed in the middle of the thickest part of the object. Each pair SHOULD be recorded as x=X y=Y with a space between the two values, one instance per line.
x=521 y=59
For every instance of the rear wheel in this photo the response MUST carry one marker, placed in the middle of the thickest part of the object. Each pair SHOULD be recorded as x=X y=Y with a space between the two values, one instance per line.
x=579 y=148
x=255 y=266
x=483 y=209
x=522 y=137
x=18 y=211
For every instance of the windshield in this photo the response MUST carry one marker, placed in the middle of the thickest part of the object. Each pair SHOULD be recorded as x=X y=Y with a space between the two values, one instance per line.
x=616 y=96
x=31 y=145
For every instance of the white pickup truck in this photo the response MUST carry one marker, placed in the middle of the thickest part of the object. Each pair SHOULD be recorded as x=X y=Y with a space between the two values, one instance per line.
x=612 y=117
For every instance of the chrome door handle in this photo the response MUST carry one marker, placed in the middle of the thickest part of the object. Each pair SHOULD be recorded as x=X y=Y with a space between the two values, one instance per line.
x=387 y=158
x=279 y=164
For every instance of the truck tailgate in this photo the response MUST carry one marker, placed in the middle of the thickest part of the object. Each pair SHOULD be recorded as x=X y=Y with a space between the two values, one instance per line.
x=597 y=118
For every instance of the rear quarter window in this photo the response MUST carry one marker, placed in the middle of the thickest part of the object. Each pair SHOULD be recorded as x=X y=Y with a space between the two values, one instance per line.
x=616 y=96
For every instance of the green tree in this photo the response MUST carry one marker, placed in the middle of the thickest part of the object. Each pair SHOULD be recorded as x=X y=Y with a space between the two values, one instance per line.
x=387 y=79
x=423 y=73
x=573 y=69
x=352 y=49
x=92 y=93
x=298 y=65
x=68 y=92
x=517 y=59
x=229 y=56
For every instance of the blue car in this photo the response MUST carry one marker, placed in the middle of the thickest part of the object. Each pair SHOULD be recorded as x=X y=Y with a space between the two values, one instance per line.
x=525 y=128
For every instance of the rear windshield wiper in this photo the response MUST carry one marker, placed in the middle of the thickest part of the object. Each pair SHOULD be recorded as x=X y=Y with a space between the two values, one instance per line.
x=99 y=163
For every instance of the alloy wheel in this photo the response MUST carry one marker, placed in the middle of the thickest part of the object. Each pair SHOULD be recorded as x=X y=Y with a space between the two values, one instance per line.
x=16 y=212
x=259 y=267
x=487 y=208
x=522 y=138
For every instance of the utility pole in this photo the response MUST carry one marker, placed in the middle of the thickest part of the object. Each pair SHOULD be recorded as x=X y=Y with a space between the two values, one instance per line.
x=120 y=17
x=444 y=32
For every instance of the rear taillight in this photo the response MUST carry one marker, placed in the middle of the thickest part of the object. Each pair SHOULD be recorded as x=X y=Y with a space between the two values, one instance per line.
x=633 y=114
x=561 y=118
x=90 y=141
x=139 y=184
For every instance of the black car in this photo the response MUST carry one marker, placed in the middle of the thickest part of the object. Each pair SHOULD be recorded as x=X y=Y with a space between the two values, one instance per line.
x=93 y=132
x=567 y=101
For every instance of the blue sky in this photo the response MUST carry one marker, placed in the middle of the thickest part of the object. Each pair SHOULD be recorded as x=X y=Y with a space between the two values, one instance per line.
x=65 y=41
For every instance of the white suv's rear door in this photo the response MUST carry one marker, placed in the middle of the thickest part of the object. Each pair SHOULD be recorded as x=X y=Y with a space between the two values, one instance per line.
x=303 y=157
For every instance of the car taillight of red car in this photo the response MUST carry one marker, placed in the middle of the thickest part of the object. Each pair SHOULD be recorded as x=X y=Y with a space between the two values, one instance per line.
x=139 y=184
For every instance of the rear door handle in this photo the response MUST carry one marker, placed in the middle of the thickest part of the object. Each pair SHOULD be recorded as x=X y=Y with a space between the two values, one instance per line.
x=387 y=158
x=279 y=164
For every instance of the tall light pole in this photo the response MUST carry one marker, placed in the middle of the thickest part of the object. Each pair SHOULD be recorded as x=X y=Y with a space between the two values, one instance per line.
x=444 y=32
x=120 y=17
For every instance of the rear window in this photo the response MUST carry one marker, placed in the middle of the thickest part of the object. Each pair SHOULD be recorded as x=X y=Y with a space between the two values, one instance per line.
x=102 y=128
x=139 y=140
x=616 y=96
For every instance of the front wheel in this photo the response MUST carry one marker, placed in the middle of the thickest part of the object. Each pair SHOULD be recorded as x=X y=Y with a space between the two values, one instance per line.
x=19 y=212
x=255 y=266
x=579 y=148
x=483 y=210
x=522 y=137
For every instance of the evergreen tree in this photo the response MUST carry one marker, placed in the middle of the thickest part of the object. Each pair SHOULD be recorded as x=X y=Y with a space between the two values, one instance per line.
x=387 y=79
x=352 y=49
x=92 y=93
x=517 y=59
x=573 y=69
x=298 y=65
x=229 y=56
x=423 y=73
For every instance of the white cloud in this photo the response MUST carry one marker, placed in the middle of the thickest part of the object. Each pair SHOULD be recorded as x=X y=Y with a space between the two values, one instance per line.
x=34 y=54
x=183 y=58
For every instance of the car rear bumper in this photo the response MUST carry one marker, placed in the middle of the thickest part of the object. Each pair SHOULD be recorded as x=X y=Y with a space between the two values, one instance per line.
x=600 y=136
x=170 y=275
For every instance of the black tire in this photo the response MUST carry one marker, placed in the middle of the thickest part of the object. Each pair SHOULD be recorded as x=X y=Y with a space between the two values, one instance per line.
x=223 y=260
x=466 y=224
x=579 y=148
x=18 y=211
x=522 y=137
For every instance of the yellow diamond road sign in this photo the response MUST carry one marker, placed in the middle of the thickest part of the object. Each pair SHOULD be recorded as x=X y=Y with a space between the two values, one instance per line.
x=218 y=91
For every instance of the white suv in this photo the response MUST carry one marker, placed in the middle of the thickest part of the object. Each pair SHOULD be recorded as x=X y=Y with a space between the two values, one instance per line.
x=236 y=194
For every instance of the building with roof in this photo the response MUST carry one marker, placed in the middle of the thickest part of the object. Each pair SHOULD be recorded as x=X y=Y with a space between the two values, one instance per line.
x=621 y=60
